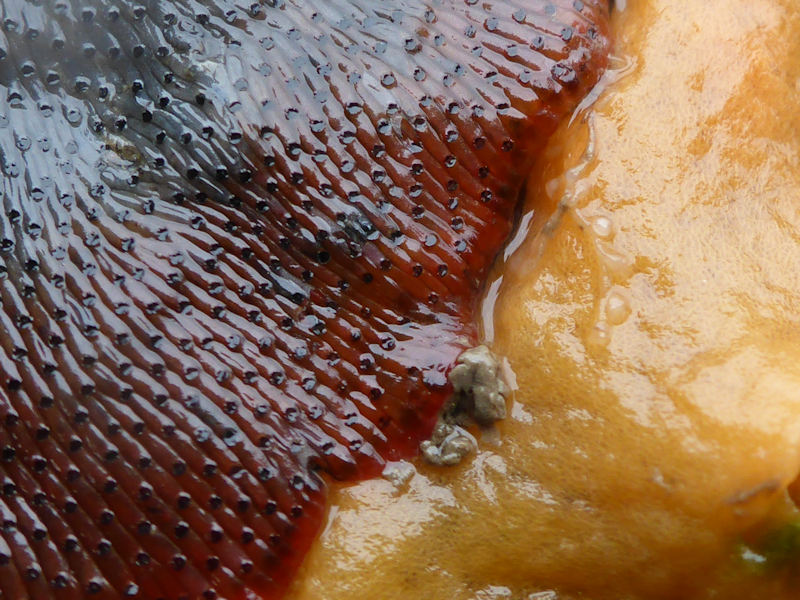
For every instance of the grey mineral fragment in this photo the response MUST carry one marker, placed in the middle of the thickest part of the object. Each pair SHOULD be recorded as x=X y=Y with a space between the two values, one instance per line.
x=448 y=445
x=479 y=396
x=478 y=387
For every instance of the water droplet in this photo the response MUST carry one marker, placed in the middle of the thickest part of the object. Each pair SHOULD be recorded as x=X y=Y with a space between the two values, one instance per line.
x=602 y=227
x=617 y=308
x=600 y=335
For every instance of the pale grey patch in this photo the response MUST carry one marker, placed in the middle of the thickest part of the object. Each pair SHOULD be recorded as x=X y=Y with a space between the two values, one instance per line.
x=399 y=473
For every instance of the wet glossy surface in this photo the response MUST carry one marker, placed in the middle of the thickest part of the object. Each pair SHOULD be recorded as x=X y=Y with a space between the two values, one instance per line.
x=653 y=331
x=241 y=244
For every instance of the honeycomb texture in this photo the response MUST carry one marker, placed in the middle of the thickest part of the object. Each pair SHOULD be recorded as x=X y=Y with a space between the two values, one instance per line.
x=240 y=246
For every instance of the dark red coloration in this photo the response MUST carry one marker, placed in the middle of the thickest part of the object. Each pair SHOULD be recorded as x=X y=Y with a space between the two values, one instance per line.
x=242 y=244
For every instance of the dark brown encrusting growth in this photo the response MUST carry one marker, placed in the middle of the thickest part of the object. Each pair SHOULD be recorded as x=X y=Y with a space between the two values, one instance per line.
x=241 y=243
